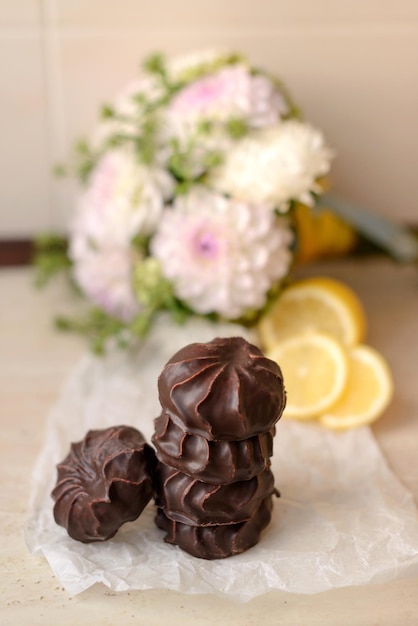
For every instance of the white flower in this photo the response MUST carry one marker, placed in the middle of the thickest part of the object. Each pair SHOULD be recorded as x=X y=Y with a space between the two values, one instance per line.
x=105 y=276
x=123 y=199
x=221 y=255
x=275 y=165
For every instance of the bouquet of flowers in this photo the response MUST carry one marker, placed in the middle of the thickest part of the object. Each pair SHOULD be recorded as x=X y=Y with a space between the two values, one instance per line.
x=189 y=189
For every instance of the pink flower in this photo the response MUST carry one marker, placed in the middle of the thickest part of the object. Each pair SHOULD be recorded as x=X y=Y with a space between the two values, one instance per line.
x=232 y=92
x=123 y=199
x=221 y=255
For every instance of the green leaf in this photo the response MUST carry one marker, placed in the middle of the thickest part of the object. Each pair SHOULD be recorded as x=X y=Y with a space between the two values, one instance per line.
x=98 y=327
x=60 y=170
x=107 y=112
x=50 y=257
x=237 y=128
x=210 y=67
x=82 y=147
x=212 y=159
x=155 y=64
x=204 y=127
x=141 y=324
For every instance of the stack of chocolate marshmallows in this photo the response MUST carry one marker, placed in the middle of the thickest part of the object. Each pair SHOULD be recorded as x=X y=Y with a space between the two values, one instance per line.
x=214 y=439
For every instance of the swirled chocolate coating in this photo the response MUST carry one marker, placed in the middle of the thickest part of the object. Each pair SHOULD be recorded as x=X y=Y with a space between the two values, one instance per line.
x=189 y=501
x=216 y=542
x=217 y=462
x=225 y=389
x=105 y=481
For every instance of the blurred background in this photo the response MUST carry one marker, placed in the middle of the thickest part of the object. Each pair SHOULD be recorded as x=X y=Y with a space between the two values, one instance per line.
x=351 y=66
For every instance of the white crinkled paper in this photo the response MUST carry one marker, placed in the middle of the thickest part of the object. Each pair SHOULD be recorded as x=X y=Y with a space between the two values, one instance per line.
x=343 y=518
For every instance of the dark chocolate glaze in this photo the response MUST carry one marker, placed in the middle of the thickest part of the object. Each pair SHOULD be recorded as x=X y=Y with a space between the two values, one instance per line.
x=189 y=501
x=105 y=481
x=225 y=389
x=218 y=462
x=216 y=542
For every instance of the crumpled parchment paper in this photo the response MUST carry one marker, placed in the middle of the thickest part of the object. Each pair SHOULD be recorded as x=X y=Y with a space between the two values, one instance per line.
x=343 y=518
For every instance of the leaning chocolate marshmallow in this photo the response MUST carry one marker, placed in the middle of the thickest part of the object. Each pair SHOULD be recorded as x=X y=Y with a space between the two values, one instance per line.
x=104 y=481
x=225 y=389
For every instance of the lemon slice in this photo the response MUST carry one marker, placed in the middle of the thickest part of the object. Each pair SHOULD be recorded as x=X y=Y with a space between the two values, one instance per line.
x=321 y=304
x=314 y=367
x=367 y=394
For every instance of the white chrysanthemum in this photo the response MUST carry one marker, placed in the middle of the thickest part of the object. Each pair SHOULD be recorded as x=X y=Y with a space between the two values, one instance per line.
x=123 y=199
x=221 y=255
x=105 y=277
x=275 y=165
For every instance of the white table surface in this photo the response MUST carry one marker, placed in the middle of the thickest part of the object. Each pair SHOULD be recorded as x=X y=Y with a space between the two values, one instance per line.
x=35 y=361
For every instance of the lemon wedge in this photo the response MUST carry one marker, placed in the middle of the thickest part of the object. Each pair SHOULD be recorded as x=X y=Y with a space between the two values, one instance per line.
x=319 y=304
x=321 y=234
x=315 y=368
x=368 y=391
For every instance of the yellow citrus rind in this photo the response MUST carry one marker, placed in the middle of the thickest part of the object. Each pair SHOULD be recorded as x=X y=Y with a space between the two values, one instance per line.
x=368 y=391
x=319 y=304
x=314 y=367
x=320 y=233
